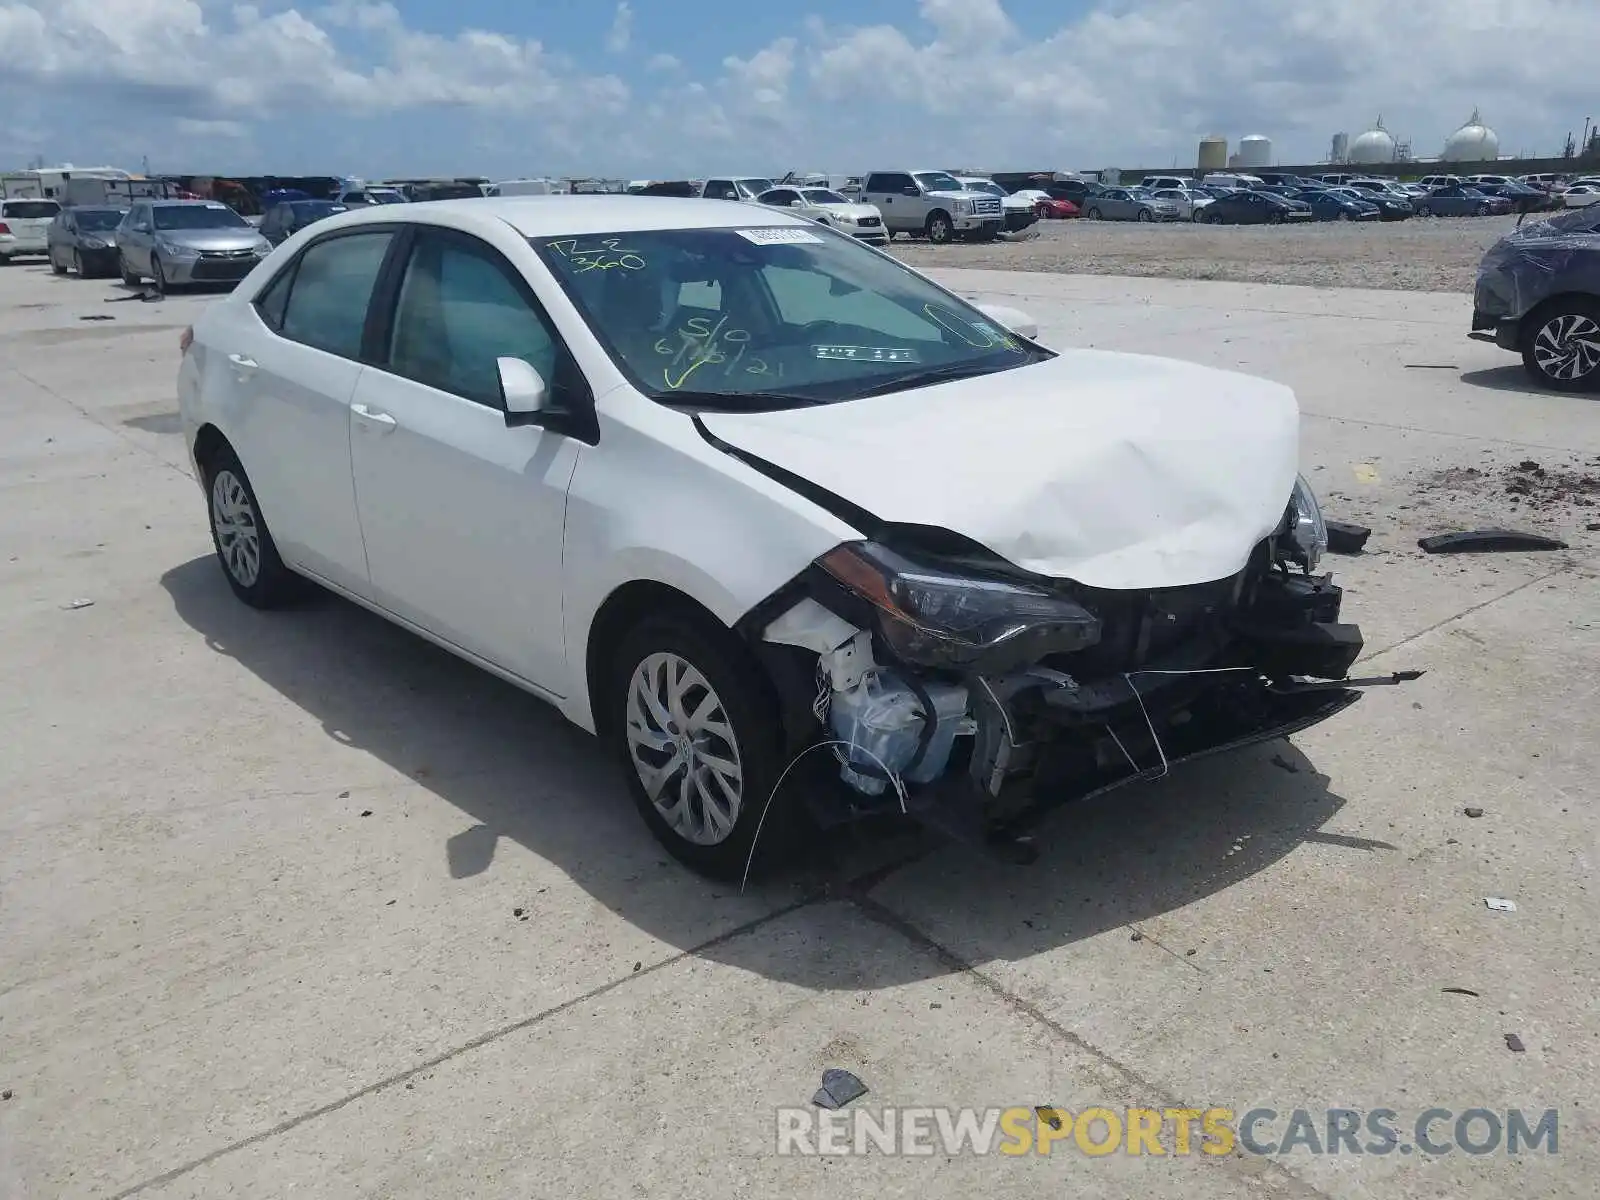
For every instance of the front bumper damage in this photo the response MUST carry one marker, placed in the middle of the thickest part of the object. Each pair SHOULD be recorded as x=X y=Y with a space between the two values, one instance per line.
x=1170 y=675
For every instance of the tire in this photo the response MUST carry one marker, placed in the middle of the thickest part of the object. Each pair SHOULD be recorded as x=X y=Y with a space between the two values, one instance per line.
x=55 y=267
x=704 y=825
x=1093 y=214
x=1483 y=210
x=940 y=230
x=128 y=277
x=158 y=277
x=1197 y=216
x=1145 y=215
x=1274 y=218
x=1343 y=216
x=1424 y=211
x=1564 y=336
x=77 y=264
x=239 y=535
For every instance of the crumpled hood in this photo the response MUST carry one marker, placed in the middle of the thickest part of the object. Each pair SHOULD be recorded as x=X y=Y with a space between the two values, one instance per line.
x=1115 y=470
x=854 y=211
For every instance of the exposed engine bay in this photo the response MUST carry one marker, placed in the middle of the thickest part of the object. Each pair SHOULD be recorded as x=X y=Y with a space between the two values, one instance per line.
x=972 y=695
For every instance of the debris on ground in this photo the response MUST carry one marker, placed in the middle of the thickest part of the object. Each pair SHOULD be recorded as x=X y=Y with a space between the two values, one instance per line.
x=1345 y=538
x=839 y=1087
x=1514 y=1043
x=5 y=1095
x=72 y=604
x=1459 y=991
x=1050 y=1115
x=1432 y=367
x=97 y=317
x=1473 y=812
x=1488 y=541
x=1496 y=904
x=366 y=812
x=1137 y=936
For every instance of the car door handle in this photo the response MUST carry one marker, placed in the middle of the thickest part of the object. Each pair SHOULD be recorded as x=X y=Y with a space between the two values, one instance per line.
x=371 y=418
x=241 y=363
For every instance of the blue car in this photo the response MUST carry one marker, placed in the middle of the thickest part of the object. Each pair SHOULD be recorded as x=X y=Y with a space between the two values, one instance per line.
x=1460 y=200
x=1330 y=206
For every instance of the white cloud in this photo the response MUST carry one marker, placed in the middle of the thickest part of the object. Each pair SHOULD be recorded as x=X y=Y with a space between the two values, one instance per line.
x=621 y=34
x=1127 y=82
x=190 y=127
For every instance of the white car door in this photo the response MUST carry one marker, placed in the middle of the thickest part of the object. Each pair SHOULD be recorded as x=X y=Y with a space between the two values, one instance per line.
x=462 y=513
x=293 y=358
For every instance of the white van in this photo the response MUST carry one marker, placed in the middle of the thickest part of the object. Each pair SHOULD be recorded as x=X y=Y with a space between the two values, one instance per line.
x=25 y=226
x=1229 y=179
x=527 y=187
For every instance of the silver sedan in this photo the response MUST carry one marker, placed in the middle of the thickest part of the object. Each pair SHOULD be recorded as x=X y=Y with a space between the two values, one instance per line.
x=1129 y=204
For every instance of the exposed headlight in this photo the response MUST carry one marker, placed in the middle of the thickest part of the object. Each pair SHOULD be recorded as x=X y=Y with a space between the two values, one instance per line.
x=1308 y=532
x=262 y=246
x=176 y=250
x=931 y=617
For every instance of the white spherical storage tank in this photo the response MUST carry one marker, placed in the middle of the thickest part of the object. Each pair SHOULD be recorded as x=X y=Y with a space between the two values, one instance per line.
x=1255 y=151
x=1376 y=145
x=1473 y=142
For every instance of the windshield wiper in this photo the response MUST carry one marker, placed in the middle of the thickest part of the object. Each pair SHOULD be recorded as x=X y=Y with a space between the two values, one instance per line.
x=736 y=401
x=944 y=374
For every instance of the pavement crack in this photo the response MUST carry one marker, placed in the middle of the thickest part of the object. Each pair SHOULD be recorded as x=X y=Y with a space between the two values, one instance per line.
x=1466 y=612
x=476 y=1043
x=1283 y=1182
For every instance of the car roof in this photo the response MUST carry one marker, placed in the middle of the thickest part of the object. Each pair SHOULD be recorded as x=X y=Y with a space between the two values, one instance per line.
x=539 y=216
x=159 y=203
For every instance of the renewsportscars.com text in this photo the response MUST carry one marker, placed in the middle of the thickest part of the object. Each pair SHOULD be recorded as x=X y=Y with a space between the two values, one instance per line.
x=1157 y=1132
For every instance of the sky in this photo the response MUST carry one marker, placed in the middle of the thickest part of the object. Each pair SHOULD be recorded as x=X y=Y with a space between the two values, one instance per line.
x=688 y=88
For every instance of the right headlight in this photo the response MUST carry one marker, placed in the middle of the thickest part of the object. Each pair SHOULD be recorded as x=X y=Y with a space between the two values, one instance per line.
x=963 y=206
x=938 y=618
x=1307 y=532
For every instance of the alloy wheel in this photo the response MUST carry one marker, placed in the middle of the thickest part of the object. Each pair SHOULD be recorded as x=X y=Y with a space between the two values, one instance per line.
x=684 y=750
x=1568 y=347
x=233 y=517
x=77 y=264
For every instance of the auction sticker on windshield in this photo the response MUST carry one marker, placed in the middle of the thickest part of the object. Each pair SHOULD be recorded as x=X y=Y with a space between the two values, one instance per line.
x=777 y=237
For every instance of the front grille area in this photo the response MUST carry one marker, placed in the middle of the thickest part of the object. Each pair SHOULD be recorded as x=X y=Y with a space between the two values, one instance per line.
x=987 y=206
x=224 y=264
x=869 y=222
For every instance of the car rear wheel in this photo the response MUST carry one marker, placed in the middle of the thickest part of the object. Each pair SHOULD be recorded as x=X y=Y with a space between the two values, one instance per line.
x=939 y=228
x=55 y=265
x=128 y=276
x=1093 y=214
x=1561 y=348
x=701 y=744
x=240 y=536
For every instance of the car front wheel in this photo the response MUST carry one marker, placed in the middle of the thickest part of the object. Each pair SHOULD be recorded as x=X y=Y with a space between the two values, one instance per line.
x=243 y=543
x=128 y=275
x=701 y=744
x=940 y=230
x=1561 y=348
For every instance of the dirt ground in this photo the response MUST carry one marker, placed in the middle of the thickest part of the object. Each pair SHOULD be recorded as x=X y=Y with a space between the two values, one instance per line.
x=1424 y=254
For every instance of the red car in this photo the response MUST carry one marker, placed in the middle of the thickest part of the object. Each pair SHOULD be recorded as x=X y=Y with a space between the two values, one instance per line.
x=1050 y=207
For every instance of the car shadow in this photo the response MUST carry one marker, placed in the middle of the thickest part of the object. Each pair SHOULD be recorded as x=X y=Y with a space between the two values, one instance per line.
x=1510 y=378
x=514 y=767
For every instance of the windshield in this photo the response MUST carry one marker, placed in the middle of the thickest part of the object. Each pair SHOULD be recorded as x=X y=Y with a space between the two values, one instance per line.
x=31 y=209
x=773 y=317
x=197 y=216
x=98 y=220
x=1141 y=193
x=986 y=186
x=754 y=187
x=314 y=210
x=823 y=196
x=385 y=196
x=938 y=181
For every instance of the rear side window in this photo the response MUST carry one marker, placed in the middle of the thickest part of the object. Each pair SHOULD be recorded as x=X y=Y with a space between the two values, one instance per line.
x=332 y=286
x=26 y=210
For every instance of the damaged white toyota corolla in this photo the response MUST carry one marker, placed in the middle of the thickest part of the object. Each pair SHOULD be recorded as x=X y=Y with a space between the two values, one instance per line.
x=724 y=485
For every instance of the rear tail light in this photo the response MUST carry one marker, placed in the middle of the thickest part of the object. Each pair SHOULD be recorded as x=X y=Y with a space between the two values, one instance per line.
x=186 y=339
x=4 y=228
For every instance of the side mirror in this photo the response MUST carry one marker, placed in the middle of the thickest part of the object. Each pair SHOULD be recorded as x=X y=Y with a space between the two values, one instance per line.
x=523 y=392
x=1014 y=319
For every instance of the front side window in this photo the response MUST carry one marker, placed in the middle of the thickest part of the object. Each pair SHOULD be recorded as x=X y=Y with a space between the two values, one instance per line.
x=753 y=319
x=939 y=181
x=97 y=220
x=460 y=310
x=823 y=196
x=331 y=290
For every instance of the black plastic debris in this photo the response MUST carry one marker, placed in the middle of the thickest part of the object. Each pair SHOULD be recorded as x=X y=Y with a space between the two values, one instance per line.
x=1455 y=991
x=839 y=1087
x=1473 y=811
x=98 y=317
x=1514 y=1044
x=1345 y=538
x=1487 y=541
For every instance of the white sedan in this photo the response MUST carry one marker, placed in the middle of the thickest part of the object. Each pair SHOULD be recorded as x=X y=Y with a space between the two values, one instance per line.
x=725 y=486
x=1581 y=195
x=1189 y=203
x=828 y=207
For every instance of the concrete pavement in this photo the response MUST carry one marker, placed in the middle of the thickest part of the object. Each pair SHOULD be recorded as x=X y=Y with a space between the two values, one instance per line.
x=260 y=874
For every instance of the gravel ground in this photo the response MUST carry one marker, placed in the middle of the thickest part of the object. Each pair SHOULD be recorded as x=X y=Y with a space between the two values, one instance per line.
x=1438 y=254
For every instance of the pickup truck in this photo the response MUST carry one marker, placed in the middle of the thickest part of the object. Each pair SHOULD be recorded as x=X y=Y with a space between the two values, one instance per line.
x=933 y=204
